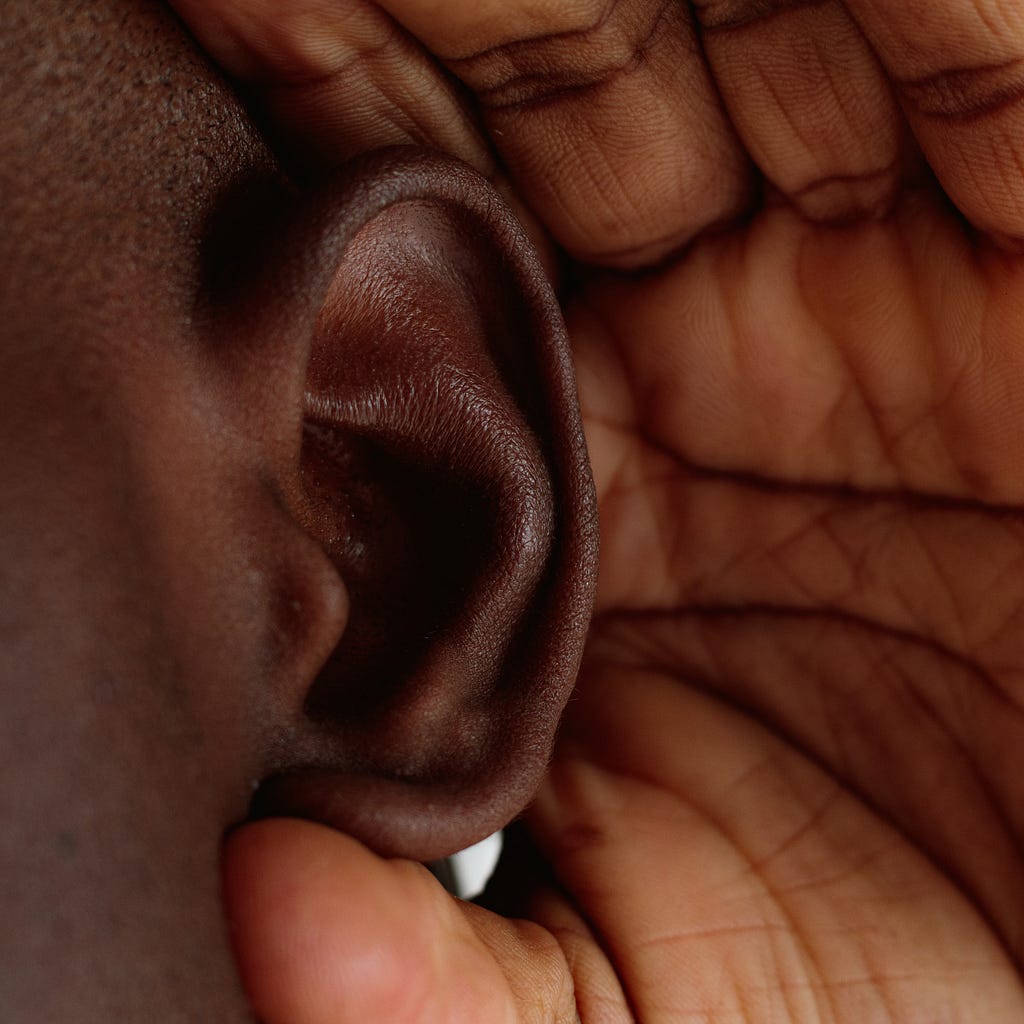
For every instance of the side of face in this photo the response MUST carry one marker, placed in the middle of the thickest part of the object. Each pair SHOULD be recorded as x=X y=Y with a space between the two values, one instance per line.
x=295 y=503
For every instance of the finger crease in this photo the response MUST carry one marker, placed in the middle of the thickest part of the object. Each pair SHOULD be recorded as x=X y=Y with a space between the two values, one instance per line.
x=303 y=75
x=575 y=35
x=859 y=194
x=966 y=94
x=731 y=15
x=547 y=77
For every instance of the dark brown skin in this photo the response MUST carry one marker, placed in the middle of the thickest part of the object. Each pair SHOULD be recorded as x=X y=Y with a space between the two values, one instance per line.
x=295 y=496
x=801 y=713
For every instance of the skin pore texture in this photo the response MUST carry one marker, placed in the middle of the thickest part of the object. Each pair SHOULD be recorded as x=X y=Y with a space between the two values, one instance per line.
x=787 y=789
x=295 y=501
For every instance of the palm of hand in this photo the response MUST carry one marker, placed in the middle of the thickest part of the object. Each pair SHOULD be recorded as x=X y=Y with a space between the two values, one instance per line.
x=796 y=727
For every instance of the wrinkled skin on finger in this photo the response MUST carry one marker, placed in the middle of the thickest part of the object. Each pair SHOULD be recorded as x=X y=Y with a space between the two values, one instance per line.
x=788 y=787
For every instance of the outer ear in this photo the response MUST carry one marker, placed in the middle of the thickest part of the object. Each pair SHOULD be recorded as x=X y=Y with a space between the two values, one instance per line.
x=442 y=467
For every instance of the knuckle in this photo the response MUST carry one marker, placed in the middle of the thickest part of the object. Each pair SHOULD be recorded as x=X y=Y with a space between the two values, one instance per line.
x=845 y=198
x=539 y=70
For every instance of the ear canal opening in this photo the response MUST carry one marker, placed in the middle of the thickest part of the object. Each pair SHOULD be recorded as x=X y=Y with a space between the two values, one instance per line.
x=409 y=541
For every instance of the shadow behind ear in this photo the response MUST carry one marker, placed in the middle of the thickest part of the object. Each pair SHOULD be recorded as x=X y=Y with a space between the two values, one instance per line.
x=443 y=470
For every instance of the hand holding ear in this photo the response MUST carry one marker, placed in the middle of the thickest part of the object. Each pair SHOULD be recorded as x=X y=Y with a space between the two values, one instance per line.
x=789 y=786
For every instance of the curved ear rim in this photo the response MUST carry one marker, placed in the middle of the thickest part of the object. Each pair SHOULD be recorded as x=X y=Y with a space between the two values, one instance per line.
x=435 y=814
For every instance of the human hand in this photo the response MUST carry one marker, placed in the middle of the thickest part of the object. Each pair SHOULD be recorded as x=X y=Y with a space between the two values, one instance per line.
x=786 y=788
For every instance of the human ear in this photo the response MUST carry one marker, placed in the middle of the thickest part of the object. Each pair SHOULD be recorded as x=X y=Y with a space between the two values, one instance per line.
x=423 y=428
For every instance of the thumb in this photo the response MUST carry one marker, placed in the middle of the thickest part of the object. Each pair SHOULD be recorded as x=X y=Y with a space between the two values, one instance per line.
x=326 y=932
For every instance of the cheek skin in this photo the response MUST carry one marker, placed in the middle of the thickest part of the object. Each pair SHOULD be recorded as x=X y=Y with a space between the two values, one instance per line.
x=125 y=751
x=134 y=622
x=251 y=603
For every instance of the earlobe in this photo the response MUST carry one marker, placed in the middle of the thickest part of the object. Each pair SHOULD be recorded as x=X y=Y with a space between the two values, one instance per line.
x=442 y=469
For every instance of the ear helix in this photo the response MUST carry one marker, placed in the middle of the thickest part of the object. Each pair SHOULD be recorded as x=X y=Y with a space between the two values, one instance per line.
x=443 y=470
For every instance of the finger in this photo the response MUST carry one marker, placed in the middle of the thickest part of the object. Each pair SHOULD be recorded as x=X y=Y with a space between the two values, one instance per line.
x=603 y=112
x=809 y=100
x=336 y=79
x=958 y=67
x=533 y=964
x=599 y=992
x=325 y=932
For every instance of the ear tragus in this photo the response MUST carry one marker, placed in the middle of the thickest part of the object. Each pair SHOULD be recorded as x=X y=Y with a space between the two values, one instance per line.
x=443 y=470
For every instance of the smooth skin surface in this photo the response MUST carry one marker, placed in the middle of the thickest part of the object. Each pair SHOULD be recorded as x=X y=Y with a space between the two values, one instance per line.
x=789 y=786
